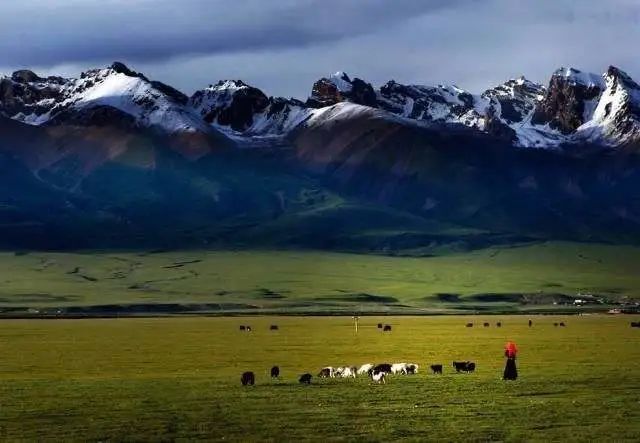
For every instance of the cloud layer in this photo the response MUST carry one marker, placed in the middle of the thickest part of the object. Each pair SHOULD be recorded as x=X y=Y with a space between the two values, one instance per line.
x=282 y=46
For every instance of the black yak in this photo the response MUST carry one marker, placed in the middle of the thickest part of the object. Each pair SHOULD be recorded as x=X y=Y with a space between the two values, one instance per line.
x=464 y=366
x=273 y=327
x=437 y=369
x=248 y=378
x=460 y=366
x=275 y=372
x=387 y=328
x=382 y=367
x=305 y=379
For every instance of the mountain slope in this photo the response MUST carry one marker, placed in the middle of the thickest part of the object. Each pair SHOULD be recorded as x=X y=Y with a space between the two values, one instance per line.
x=114 y=159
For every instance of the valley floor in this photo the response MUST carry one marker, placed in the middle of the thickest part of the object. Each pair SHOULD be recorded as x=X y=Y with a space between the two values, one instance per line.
x=159 y=379
x=499 y=279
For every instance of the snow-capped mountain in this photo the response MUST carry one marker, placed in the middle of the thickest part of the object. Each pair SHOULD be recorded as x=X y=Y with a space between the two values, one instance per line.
x=613 y=119
x=446 y=104
x=339 y=87
x=242 y=111
x=576 y=107
x=100 y=96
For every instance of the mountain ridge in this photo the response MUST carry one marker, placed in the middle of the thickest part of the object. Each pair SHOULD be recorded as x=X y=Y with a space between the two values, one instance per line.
x=115 y=159
x=520 y=111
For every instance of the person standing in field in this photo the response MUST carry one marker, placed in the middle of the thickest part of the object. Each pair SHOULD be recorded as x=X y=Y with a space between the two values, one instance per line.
x=510 y=370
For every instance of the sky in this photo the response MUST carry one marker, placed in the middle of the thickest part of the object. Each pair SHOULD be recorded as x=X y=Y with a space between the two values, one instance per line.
x=283 y=46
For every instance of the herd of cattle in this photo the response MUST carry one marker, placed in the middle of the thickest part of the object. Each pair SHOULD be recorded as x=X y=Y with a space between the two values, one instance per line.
x=378 y=373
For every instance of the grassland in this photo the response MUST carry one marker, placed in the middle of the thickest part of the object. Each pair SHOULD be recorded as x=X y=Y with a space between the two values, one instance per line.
x=159 y=379
x=297 y=281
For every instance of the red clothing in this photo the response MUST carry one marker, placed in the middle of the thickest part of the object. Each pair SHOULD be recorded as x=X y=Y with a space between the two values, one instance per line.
x=510 y=350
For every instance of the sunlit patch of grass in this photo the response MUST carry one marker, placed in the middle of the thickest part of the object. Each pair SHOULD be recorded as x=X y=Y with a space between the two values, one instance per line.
x=179 y=378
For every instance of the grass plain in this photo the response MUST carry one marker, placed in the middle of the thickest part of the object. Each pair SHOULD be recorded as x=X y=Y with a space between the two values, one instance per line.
x=312 y=281
x=160 y=379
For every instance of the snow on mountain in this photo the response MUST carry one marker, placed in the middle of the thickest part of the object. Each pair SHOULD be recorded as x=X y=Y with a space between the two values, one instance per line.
x=344 y=111
x=27 y=96
x=150 y=104
x=446 y=104
x=615 y=120
x=574 y=76
x=569 y=100
x=576 y=106
x=246 y=114
x=341 y=81
x=339 y=87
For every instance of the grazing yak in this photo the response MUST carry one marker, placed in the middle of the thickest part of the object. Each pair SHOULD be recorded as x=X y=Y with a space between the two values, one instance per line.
x=345 y=372
x=412 y=368
x=635 y=324
x=387 y=328
x=275 y=372
x=379 y=377
x=562 y=324
x=242 y=328
x=364 y=369
x=498 y=324
x=486 y=324
x=555 y=324
x=530 y=323
x=326 y=372
x=379 y=325
x=399 y=368
x=464 y=366
x=382 y=367
x=305 y=379
x=469 y=325
x=436 y=369
x=248 y=378
x=273 y=327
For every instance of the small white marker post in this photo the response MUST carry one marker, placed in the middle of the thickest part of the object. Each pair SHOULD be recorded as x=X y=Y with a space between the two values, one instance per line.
x=355 y=319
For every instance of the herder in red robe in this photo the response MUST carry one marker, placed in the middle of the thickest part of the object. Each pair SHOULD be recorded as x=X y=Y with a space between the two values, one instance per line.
x=510 y=370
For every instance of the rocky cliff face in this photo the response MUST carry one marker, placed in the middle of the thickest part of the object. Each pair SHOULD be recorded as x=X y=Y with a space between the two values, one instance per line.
x=615 y=121
x=25 y=94
x=230 y=103
x=338 y=88
x=569 y=101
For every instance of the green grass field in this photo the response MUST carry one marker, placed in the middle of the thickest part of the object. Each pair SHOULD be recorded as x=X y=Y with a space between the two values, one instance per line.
x=178 y=378
x=308 y=281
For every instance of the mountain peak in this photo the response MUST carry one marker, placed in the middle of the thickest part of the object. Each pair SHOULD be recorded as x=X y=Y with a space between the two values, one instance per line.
x=25 y=76
x=228 y=85
x=575 y=76
x=619 y=76
x=341 y=80
x=121 y=68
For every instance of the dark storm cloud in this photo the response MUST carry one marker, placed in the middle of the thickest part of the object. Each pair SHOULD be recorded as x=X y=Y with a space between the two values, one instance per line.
x=47 y=32
x=283 y=46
